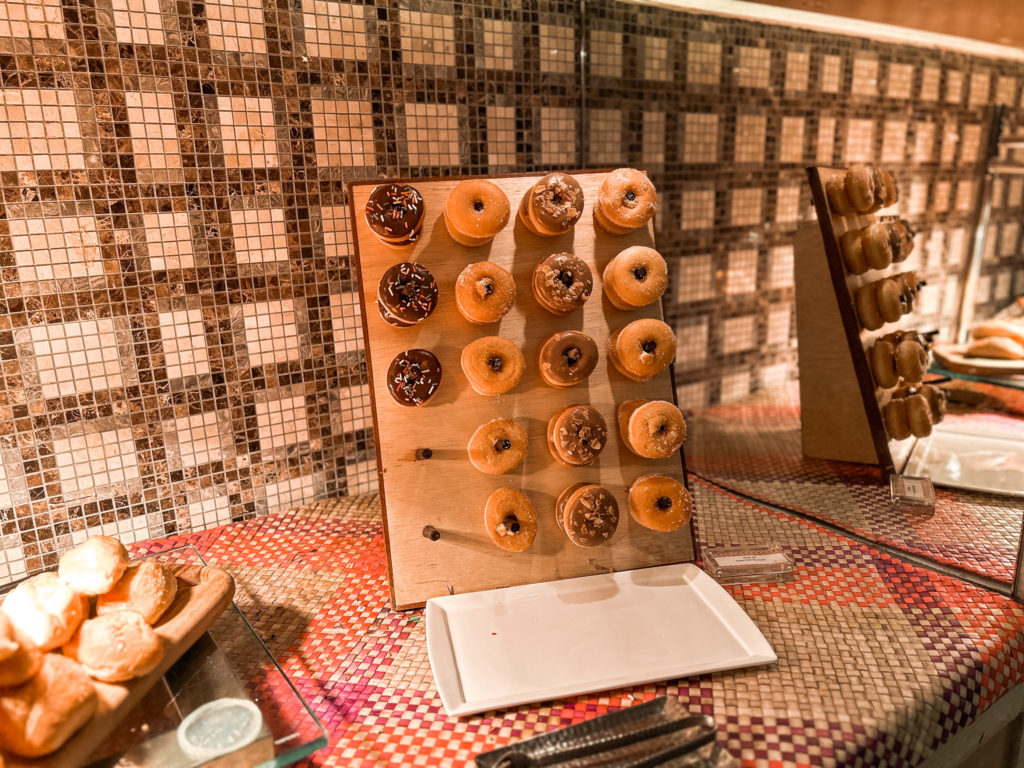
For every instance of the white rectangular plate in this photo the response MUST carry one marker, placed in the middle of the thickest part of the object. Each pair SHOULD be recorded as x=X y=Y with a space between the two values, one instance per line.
x=518 y=645
x=973 y=460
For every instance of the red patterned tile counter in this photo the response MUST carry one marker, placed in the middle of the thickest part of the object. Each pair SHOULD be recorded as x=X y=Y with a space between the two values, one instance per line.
x=754 y=447
x=880 y=662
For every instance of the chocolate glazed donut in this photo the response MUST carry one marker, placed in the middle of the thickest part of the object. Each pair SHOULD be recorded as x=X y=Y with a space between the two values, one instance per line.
x=566 y=358
x=394 y=213
x=406 y=295
x=413 y=377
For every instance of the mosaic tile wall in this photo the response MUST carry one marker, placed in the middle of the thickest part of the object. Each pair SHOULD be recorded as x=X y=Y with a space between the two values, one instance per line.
x=179 y=331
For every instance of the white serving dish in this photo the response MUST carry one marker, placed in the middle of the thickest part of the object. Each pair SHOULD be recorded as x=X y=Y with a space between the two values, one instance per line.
x=974 y=460
x=504 y=647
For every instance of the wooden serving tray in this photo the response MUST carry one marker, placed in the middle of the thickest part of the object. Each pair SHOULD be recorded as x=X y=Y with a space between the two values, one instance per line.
x=952 y=358
x=446 y=491
x=203 y=593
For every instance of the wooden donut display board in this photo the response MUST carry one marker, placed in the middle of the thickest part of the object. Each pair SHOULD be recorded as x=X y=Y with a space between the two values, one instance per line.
x=434 y=507
x=841 y=414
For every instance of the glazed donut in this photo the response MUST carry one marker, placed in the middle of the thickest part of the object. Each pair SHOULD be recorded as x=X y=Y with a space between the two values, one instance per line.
x=660 y=502
x=45 y=610
x=414 y=377
x=475 y=211
x=562 y=500
x=627 y=201
x=911 y=361
x=394 y=213
x=406 y=295
x=552 y=206
x=642 y=349
x=883 y=364
x=497 y=447
x=492 y=365
x=510 y=520
x=562 y=283
x=894 y=414
x=908 y=285
x=851 y=244
x=566 y=358
x=577 y=435
x=484 y=292
x=653 y=429
x=835 y=188
x=590 y=514
x=919 y=415
x=636 y=277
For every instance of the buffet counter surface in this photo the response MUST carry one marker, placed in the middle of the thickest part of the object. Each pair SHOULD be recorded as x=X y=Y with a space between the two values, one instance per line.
x=879 y=661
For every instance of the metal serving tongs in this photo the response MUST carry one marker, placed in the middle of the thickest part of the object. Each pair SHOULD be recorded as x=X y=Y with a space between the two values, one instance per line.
x=638 y=737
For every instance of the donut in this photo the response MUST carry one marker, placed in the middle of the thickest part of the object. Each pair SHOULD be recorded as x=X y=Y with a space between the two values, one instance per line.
x=642 y=349
x=851 y=244
x=891 y=300
x=577 y=435
x=866 y=301
x=510 y=520
x=413 y=377
x=653 y=429
x=877 y=249
x=562 y=500
x=911 y=361
x=590 y=515
x=406 y=294
x=894 y=414
x=861 y=188
x=919 y=415
x=484 y=292
x=835 y=189
x=890 y=190
x=566 y=358
x=476 y=210
x=936 y=401
x=908 y=285
x=394 y=213
x=660 y=502
x=492 y=365
x=497 y=447
x=626 y=201
x=562 y=283
x=636 y=277
x=901 y=240
x=552 y=206
x=883 y=364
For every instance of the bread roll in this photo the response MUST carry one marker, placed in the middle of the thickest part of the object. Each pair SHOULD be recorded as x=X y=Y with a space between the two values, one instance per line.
x=147 y=588
x=1005 y=328
x=8 y=641
x=94 y=567
x=21 y=659
x=998 y=347
x=116 y=647
x=38 y=717
x=45 y=610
